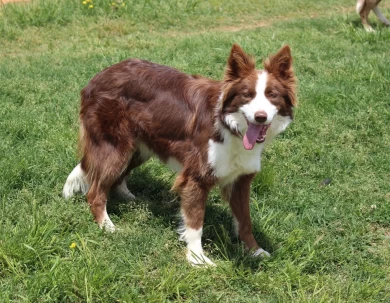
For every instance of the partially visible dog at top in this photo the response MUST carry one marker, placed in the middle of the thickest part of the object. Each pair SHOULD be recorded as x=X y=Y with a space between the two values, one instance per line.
x=364 y=7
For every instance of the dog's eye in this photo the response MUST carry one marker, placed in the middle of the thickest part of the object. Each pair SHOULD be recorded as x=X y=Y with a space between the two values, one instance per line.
x=246 y=95
x=273 y=95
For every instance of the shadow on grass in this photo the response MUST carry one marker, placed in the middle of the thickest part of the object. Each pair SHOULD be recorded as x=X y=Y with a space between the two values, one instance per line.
x=150 y=189
x=219 y=236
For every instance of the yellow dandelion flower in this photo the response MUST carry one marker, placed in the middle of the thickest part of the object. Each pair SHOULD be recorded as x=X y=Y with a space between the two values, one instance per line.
x=73 y=245
x=84 y=2
x=123 y=4
x=91 y=6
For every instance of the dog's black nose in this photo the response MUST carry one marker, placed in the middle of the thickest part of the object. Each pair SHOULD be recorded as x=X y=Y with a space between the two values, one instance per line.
x=261 y=116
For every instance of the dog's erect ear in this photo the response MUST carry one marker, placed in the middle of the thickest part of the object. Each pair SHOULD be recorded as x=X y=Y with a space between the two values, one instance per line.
x=239 y=64
x=280 y=64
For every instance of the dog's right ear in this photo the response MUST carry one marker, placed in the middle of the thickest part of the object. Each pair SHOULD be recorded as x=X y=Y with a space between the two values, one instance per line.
x=239 y=64
x=280 y=64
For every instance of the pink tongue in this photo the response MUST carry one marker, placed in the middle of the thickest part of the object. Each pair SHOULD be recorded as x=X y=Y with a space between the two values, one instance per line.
x=251 y=135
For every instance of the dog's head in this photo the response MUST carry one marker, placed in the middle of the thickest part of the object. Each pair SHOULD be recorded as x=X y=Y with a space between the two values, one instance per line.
x=252 y=99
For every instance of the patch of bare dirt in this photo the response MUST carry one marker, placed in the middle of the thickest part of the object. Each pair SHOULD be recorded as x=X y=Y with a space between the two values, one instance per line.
x=12 y=1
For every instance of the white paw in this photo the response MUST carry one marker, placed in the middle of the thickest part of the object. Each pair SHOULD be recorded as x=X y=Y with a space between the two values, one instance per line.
x=369 y=29
x=261 y=253
x=107 y=225
x=199 y=259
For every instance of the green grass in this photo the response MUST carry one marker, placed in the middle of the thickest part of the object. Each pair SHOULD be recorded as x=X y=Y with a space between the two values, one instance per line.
x=328 y=243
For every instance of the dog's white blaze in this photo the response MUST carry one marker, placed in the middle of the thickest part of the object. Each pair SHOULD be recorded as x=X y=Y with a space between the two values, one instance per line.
x=260 y=102
x=76 y=182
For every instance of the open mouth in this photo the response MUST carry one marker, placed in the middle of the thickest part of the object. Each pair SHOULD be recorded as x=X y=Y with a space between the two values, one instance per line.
x=256 y=133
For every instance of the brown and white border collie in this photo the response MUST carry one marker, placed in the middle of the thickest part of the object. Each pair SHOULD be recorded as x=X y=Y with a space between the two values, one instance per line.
x=210 y=132
x=363 y=8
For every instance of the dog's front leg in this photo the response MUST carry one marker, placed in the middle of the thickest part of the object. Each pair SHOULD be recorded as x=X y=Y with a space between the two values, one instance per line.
x=364 y=18
x=193 y=203
x=238 y=195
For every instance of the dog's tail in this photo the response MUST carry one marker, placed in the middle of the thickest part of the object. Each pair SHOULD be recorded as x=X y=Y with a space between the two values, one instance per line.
x=359 y=6
x=76 y=182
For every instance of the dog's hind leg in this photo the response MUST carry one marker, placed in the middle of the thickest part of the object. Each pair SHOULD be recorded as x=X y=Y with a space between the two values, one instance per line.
x=364 y=18
x=363 y=8
x=380 y=16
x=140 y=156
x=97 y=200
x=104 y=168
x=120 y=186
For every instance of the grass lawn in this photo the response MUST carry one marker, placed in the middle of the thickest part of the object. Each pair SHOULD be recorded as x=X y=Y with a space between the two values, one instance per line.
x=329 y=243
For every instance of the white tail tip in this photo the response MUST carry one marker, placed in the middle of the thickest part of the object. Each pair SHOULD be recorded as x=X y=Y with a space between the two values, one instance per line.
x=76 y=182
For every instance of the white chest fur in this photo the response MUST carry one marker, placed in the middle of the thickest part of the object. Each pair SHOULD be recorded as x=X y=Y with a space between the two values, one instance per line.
x=230 y=159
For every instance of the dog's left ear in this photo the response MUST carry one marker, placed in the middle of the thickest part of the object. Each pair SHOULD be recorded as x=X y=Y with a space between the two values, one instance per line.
x=280 y=64
x=239 y=64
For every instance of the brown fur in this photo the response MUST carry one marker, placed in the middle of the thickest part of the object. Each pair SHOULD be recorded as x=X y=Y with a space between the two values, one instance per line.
x=174 y=115
x=238 y=194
